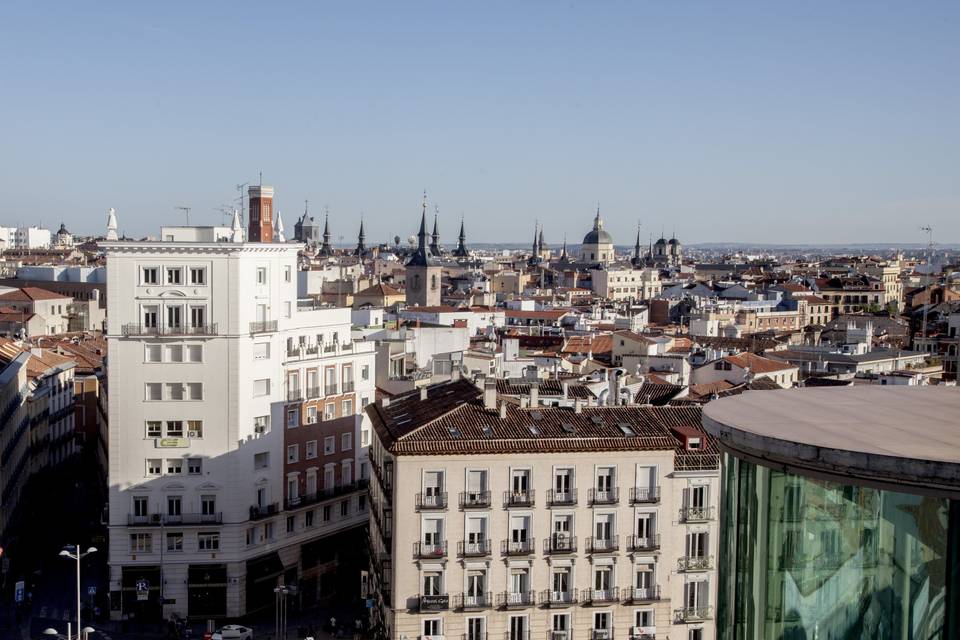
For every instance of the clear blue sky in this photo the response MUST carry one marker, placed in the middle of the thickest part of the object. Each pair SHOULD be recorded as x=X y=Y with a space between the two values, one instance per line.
x=767 y=121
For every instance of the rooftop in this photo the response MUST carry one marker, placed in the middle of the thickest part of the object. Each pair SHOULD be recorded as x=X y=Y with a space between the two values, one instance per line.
x=889 y=436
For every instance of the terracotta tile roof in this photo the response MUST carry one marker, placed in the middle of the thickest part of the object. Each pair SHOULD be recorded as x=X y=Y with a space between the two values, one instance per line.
x=28 y=294
x=656 y=393
x=41 y=360
x=379 y=289
x=452 y=420
x=758 y=364
x=596 y=344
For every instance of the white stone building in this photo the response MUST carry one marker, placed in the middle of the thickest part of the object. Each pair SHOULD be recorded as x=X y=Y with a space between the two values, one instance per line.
x=493 y=520
x=236 y=438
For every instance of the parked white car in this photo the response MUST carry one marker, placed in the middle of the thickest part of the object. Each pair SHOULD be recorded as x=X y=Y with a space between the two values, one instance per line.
x=233 y=632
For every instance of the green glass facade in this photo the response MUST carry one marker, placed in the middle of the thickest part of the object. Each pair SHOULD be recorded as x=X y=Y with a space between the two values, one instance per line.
x=804 y=558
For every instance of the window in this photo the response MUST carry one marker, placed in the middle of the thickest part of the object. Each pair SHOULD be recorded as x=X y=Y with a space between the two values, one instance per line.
x=175 y=466
x=432 y=627
x=175 y=390
x=261 y=351
x=261 y=387
x=261 y=275
x=141 y=543
x=293 y=418
x=149 y=275
x=198 y=317
x=329 y=445
x=293 y=453
x=312 y=415
x=195 y=353
x=291 y=524
x=432 y=586
x=152 y=353
x=173 y=275
x=346 y=442
x=365 y=372
x=361 y=502
x=208 y=541
x=140 y=506
x=287 y=309
x=330 y=411
x=364 y=438
x=287 y=273
x=208 y=505
x=175 y=542
x=151 y=314
x=194 y=466
x=154 y=467
x=344 y=508
x=308 y=518
x=195 y=390
x=154 y=429
x=194 y=428
x=261 y=460
x=261 y=424
x=175 y=353
x=347 y=408
x=154 y=391
x=326 y=513
x=174 y=428
x=311 y=450
x=198 y=275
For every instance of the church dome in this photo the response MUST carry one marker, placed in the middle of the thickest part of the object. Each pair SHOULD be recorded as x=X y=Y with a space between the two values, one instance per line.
x=674 y=242
x=660 y=243
x=597 y=236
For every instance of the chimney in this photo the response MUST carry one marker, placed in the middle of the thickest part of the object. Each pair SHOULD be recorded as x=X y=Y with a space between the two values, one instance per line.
x=566 y=388
x=577 y=409
x=490 y=394
x=524 y=402
x=534 y=394
x=384 y=402
x=423 y=393
x=503 y=410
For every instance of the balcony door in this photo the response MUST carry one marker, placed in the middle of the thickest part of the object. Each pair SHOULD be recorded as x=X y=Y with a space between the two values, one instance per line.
x=520 y=482
x=518 y=628
x=476 y=485
x=475 y=629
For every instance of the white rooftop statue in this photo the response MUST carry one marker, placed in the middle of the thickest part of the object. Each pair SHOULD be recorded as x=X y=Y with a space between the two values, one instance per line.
x=278 y=229
x=236 y=234
x=112 y=224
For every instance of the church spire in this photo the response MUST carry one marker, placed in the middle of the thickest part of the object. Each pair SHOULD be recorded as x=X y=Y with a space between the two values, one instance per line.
x=461 y=250
x=421 y=257
x=325 y=248
x=435 y=236
x=361 y=246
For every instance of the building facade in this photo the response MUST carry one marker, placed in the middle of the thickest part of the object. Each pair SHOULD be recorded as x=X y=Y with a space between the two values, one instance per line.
x=214 y=371
x=534 y=521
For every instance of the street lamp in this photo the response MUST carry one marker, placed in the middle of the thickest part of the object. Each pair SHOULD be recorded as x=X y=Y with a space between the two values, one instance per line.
x=77 y=556
x=53 y=633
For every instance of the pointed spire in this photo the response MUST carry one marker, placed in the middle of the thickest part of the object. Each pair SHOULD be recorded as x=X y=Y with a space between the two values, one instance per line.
x=112 y=224
x=421 y=257
x=597 y=222
x=236 y=230
x=325 y=248
x=563 y=252
x=461 y=250
x=361 y=237
x=435 y=236
x=278 y=229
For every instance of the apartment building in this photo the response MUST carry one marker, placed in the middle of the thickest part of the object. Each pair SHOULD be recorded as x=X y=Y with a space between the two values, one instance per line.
x=502 y=519
x=223 y=394
x=625 y=284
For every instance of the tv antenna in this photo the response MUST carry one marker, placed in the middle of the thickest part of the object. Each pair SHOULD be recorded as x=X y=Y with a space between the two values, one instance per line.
x=186 y=210
x=241 y=199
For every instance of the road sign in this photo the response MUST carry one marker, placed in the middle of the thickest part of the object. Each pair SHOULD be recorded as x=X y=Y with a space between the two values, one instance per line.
x=18 y=591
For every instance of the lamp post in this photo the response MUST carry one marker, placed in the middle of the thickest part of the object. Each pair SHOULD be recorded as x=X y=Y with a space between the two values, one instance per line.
x=53 y=633
x=77 y=556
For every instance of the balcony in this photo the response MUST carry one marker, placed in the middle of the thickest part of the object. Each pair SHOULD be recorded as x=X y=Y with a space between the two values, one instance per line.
x=601 y=634
x=600 y=596
x=605 y=496
x=696 y=514
x=474 y=499
x=694 y=563
x=637 y=595
x=550 y=598
x=431 y=501
x=643 y=633
x=294 y=395
x=263 y=511
x=558 y=635
x=516 y=599
x=561 y=498
x=468 y=602
x=439 y=602
x=560 y=544
x=313 y=392
x=347 y=386
x=430 y=549
x=644 y=543
x=692 y=614
x=517 y=548
x=474 y=636
x=644 y=495
x=603 y=545
x=263 y=326
x=159 y=519
x=329 y=389
x=518 y=498
x=473 y=549
x=135 y=329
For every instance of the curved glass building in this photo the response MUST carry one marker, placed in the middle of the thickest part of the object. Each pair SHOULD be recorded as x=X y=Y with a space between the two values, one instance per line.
x=840 y=516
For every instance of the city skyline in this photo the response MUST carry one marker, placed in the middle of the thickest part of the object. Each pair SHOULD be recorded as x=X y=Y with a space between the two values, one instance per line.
x=752 y=125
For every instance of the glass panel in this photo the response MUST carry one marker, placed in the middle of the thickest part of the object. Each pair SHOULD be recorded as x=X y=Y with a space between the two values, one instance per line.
x=805 y=558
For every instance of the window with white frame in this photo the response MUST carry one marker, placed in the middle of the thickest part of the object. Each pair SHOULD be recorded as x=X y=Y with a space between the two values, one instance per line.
x=261 y=350
x=329 y=445
x=347 y=408
x=154 y=391
x=194 y=466
x=208 y=541
x=154 y=429
x=174 y=276
x=261 y=424
x=151 y=316
x=312 y=414
x=432 y=584
x=195 y=353
x=175 y=466
x=175 y=542
x=346 y=441
x=195 y=390
x=174 y=353
x=141 y=543
x=261 y=460
x=174 y=428
x=311 y=449
x=194 y=428
x=175 y=390
x=261 y=387
x=330 y=411
x=198 y=276
x=152 y=353
x=293 y=417
x=261 y=275
x=149 y=275
x=432 y=627
x=293 y=453
x=154 y=466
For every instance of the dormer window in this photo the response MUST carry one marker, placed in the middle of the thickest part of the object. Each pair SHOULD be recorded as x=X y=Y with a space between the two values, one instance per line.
x=693 y=443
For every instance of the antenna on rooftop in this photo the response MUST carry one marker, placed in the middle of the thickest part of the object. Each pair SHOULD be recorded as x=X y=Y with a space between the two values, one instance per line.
x=239 y=188
x=186 y=210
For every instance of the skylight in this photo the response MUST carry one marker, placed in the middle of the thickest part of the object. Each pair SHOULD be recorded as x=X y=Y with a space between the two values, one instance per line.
x=626 y=429
x=536 y=415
